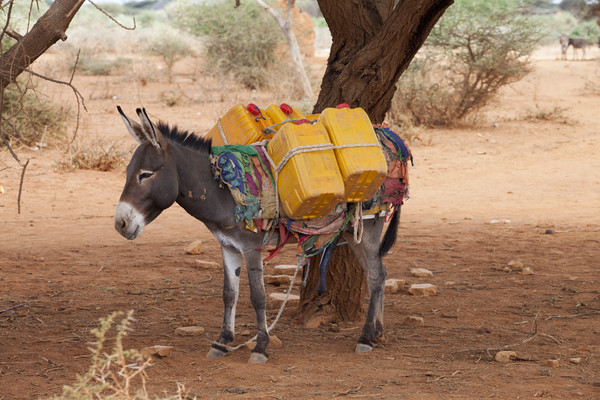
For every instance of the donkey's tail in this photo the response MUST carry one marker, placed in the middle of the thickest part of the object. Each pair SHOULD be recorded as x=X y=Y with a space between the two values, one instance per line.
x=390 y=234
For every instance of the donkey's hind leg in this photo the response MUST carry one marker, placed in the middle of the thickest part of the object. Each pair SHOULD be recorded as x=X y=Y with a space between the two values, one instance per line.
x=367 y=253
x=259 y=302
x=232 y=260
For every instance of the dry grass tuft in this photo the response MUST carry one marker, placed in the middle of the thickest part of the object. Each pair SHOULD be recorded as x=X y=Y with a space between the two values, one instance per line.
x=96 y=155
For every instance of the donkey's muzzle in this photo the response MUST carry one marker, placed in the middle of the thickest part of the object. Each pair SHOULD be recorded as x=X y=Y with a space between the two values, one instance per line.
x=128 y=221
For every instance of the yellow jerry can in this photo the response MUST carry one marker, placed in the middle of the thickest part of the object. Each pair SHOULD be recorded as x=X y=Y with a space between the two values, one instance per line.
x=240 y=125
x=359 y=155
x=281 y=113
x=309 y=182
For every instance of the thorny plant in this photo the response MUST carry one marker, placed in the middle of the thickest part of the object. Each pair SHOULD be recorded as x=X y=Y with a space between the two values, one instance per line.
x=117 y=374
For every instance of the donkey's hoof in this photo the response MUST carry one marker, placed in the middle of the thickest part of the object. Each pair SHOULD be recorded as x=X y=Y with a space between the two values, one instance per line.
x=362 y=348
x=215 y=353
x=258 y=358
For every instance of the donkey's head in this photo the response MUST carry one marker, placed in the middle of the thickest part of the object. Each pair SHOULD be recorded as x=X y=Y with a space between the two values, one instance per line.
x=152 y=181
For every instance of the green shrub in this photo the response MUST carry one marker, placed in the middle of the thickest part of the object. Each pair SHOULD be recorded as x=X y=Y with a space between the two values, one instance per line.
x=29 y=120
x=587 y=30
x=95 y=65
x=239 y=41
x=476 y=48
x=170 y=47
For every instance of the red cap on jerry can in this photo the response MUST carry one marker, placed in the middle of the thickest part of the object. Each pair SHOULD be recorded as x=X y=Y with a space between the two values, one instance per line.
x=253 y=109
x=302 y=121
x=286 y=108
x=343 y=105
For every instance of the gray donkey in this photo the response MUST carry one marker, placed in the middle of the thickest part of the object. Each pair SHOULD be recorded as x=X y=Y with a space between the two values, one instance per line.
x=566 y=42
x=171 y=166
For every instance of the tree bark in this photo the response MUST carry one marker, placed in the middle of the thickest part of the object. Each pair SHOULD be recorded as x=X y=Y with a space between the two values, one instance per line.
x=373 y=44
x=50 y=28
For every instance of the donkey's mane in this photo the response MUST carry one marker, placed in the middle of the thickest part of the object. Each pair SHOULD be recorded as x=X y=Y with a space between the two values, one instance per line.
x=184 y=138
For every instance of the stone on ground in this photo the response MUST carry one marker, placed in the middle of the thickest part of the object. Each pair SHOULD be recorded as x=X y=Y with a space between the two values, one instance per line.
x=159 y=351
x=413 y=321
x=277 y=279
x=505 y=356
x=391 y=286
x=421 y=272
x=194 y=248
x=189 y=330
x=422 y=289
x=275 y=300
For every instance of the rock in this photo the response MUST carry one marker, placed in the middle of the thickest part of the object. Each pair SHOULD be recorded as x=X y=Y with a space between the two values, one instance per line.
x=527 y=271
x=285 y=268
x=500 y=221
x=575 y=360
x=159 y=351
x=421 y=272
x=514 y=266
x=275 y=300
x=399 y=282
x=194 y=248
x=413 y=321
x=277 y=279
x=422 y=289
x=208 y=264
x=505 y=356
x=275 y=342
x=189 y=330
x=553 y=363
x=391 y=286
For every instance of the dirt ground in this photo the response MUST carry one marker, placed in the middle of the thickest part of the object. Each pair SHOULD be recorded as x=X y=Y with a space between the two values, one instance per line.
x=522 y=186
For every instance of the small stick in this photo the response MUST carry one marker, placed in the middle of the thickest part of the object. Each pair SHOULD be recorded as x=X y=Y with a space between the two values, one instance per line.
x=11 y=308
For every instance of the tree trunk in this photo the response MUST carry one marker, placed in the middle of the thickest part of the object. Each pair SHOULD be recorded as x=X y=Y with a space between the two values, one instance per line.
x=373 y=43
x=47 y=30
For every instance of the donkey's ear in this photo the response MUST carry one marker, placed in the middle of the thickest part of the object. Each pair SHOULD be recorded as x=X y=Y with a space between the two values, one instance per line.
x=154 y=136
x=133 y=127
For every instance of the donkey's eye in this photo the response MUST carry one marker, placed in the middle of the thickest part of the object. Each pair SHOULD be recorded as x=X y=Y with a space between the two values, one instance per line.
x=144 y=175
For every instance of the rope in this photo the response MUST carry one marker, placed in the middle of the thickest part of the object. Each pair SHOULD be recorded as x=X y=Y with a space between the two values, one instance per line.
x=272 y=326
x=222 y=133
x=358 y=223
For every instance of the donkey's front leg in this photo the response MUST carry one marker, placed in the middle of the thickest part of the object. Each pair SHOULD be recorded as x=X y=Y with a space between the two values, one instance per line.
x=232 y=260
x=259 y=301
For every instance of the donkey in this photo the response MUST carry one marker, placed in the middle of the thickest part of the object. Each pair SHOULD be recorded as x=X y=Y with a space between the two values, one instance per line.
x=565 y=42
x=171 y=165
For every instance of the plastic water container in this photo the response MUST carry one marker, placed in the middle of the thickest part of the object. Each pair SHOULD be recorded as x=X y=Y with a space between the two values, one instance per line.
x=278 y=114
x=240 y=125
x=309 y=183
x=363 y=168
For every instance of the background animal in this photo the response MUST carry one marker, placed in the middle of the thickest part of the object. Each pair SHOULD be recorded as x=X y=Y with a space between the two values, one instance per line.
x=566 y=42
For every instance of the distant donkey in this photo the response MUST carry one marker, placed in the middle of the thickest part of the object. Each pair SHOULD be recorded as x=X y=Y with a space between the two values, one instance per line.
x=566 y=41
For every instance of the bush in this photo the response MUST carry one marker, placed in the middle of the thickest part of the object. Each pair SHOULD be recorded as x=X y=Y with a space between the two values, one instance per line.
x=170 y=47
x=476 y=48
x=239 y=41
x=28 y=120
